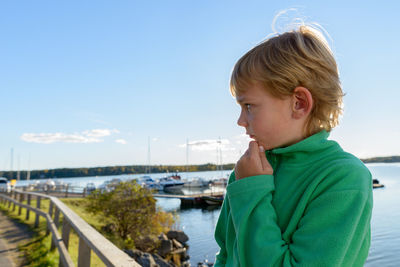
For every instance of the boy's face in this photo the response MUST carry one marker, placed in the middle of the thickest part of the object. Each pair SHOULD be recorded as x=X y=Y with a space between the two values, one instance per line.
x=267 y=119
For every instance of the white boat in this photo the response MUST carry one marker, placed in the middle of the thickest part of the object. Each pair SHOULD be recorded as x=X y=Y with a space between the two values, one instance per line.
x=197 y=182
x=214 y=200
x=220 y=182
x=109 y=185
x=149 y=183
x=170 y=184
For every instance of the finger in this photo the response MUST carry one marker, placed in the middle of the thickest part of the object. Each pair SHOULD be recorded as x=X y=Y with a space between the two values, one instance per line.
x=253 y=148
x=264 y=162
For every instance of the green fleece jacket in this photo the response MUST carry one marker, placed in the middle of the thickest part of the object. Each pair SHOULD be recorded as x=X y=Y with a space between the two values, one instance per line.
x=315 y=210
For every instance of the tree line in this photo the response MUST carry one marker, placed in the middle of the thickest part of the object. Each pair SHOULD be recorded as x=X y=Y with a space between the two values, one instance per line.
x=113 y=170
x=137 y=169
x=390 y=159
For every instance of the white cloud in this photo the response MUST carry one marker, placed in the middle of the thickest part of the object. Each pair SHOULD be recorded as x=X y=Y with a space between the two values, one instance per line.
x=121 y=141
x=99 y=132
x=88 y=136
x=207 y=145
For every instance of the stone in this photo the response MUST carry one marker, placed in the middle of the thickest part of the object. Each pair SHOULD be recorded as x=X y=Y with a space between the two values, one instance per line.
x=160 y=261
x=176 y=244
x=165 y=247
x=142 y=258
x=162 y=236
x=178 y=235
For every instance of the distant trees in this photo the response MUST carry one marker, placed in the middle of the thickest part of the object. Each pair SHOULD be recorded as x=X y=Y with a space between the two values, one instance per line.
x=132 y=210
x=113 y=170
x=389 y=159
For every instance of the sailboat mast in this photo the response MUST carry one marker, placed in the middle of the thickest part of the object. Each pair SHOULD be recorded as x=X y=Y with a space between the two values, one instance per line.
x=11 y=164
x=187 y=156
x=28 y=174
x=18 y=168
x=148 y=155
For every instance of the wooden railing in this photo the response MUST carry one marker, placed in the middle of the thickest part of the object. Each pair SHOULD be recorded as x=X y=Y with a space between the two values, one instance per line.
x=89 y=238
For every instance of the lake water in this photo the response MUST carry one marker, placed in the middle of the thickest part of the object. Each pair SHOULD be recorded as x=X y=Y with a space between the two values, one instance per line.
x=199 y=223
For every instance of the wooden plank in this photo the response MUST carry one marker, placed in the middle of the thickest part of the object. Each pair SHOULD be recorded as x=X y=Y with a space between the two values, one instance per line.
x=27 y=210
x=56 y=222
x=15 y=197
x=66 y=228
x=37 y=214
x=50 y=214
x=21 y=199
x=51 y=209
x=84 y=254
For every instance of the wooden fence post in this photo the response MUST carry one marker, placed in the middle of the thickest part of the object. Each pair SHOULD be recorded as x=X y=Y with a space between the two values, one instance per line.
x=57 y=223
x=83 y=254
x=51 y=209
x=37 y=214
x=9 y=202
x=15 y=198
x=66 y=227
x=27 y=210
x=21 y=199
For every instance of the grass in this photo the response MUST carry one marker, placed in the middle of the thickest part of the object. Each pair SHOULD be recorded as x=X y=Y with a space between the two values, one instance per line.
x=37 y=252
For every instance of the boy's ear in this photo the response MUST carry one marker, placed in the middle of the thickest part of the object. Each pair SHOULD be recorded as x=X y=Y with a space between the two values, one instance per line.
x=302 y=102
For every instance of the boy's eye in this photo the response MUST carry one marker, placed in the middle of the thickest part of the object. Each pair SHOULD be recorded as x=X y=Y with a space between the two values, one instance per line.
x=247 y=107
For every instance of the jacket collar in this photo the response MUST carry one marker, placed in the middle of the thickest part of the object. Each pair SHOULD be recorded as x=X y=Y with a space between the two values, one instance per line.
x=306 y=151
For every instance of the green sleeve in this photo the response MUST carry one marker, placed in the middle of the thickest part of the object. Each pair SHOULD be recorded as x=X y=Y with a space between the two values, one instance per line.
x=333 y=231
x=221 y=229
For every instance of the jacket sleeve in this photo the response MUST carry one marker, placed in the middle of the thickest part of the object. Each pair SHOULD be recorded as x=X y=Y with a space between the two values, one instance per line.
x=333 y=231
x=221 y=229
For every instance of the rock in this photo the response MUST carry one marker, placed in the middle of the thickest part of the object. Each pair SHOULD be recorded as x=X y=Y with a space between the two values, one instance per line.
x=165 y=247
x=176 y=244
x=144 y=259
x=162 y=236
x=160 y=261
x=205 y=263
x=178 y=235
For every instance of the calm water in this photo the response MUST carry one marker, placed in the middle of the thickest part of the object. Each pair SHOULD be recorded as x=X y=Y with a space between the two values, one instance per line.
x=199 y=223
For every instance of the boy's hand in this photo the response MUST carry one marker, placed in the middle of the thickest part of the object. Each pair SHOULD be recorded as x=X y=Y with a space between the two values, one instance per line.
x=253 y=162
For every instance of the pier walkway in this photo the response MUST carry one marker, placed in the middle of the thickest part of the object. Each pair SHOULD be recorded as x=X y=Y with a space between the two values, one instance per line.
x=212 y=198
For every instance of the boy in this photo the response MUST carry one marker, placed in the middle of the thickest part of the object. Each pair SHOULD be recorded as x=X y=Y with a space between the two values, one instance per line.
x=294 y=198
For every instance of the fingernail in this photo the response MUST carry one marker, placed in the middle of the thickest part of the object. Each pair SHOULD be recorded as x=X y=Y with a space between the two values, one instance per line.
x=261 y=148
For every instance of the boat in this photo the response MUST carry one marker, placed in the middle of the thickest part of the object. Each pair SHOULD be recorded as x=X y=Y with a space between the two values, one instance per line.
x=109 y=185
x=171 y=183
x=147 y=182
x=196 y=182
x=214 y=200
x=220 y=182
x=90 y=187
x=5 y=185
x=376 y=184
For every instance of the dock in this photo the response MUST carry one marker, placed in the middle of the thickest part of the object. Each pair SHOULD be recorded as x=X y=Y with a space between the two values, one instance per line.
x=195 y=199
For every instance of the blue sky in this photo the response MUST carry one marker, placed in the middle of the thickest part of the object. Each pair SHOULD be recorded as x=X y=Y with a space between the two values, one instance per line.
x=87 y=83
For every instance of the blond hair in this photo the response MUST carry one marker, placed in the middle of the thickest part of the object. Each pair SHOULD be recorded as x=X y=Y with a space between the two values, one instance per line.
x=300 y=57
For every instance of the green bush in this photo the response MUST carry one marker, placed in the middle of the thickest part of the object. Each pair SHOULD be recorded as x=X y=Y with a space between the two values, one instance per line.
x=132 y=210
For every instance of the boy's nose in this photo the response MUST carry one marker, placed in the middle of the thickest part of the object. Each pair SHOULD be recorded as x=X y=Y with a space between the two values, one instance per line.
x=242 y=120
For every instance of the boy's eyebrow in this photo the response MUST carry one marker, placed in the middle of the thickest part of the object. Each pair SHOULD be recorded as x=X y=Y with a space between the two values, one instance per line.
x=240 y=99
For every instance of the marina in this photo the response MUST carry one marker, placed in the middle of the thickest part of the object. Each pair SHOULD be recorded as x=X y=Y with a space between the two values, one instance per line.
x=199 y=220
